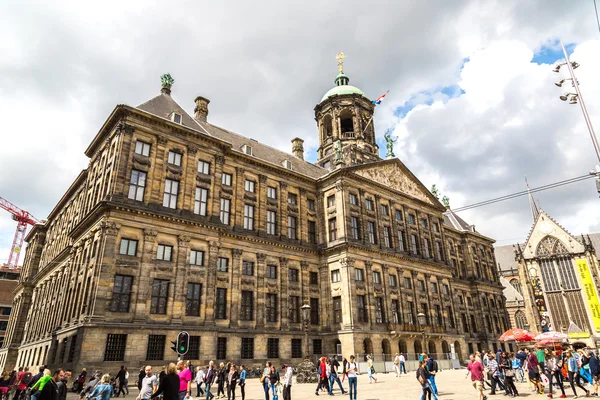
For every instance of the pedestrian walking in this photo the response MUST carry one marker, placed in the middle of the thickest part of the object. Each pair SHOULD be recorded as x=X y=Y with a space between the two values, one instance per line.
x=141 y=377
x=509 y=374
x=351 y=371
x=39 y=385
x=264 y=379
x=242 y=383
x=209 y=379
x=148 y=384
x=185 y=381
x=371 y=370
x=103 y=390
x=475 y=368
x=22 y=380
x=552 y=368
x=221 y=377
x=423 y=378
x=573 y=372
x=493 y=372
x=397 y=365
x=594 y=365
x=344 y=368
x=120 y=376
x=322 y=371
x=287 y=382
x=402 y=363
x=584 y=369
x=333 y=375
x=232 y=377
x=517 y=369
x=273 y=381
x=169 y=384
x=534 y=371
x=63 y=385
x=199 y=381
x=432 y=368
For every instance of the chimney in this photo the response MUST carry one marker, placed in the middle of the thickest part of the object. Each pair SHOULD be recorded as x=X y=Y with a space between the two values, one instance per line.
x=201 y=109
x=298 y=148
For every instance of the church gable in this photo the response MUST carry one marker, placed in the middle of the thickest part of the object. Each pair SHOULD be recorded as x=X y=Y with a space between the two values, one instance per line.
x=549 y=238
x=397 y=177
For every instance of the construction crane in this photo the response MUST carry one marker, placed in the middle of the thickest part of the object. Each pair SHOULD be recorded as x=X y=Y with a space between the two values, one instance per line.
x=23 y=219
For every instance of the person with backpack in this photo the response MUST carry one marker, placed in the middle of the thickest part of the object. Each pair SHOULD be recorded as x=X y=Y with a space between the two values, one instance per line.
x=573 y=371
x=334 y=376
x=594 y=365
x=371 y=370
x=50 y=390
x=423 y=378
x=432 y=367
x=351 y=370
x=273 y=381
x=23 y=379
x=39 y=385
x=552 y=369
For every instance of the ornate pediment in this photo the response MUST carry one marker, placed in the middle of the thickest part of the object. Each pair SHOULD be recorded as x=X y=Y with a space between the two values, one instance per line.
x=392 y=176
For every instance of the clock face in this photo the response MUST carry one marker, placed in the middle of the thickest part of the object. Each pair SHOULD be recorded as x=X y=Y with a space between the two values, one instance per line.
x=546 y=227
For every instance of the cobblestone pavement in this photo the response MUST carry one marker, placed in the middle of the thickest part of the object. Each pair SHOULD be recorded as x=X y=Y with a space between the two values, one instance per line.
x=452 y=385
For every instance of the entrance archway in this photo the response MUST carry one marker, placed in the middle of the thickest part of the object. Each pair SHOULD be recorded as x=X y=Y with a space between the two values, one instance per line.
x=402 y=348
x=458 y=350
x=386 y=349
x=431 y=348
x=368 y=346
x=418 y=348
x=337 y=347
x=445 y=348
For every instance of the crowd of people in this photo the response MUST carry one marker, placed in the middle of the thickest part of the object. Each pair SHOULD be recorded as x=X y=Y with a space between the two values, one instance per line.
x=500 y=371
x=44 y=385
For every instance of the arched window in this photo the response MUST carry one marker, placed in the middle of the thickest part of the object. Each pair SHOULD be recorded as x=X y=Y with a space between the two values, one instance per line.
x=520 y=320
x=346 y=123
x=418 y=348
x=517 y=285
x=327 y=126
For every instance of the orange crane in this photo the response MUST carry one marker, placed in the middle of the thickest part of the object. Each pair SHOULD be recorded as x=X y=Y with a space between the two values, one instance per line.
x=23 y=219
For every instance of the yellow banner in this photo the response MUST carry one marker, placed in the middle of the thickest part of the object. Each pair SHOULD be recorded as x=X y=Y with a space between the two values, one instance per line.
x=589 y=292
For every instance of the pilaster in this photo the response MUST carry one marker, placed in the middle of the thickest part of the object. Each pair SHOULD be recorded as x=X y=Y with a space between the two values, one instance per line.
x=211 y=281
x=216 y=188
x=283 y=293
x=235 y=293
x=261 y=288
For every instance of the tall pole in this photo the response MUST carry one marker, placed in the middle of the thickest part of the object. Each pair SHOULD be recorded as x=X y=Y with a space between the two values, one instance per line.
x=306 y=347
x=586 y=116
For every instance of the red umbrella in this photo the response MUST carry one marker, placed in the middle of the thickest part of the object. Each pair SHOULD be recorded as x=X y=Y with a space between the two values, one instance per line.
x=517 y=334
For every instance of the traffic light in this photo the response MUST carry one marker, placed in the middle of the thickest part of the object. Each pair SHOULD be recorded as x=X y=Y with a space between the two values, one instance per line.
x=183 y=343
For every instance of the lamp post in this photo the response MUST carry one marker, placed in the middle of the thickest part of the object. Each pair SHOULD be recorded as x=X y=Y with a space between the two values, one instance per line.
x=575 y=98
x=305 y=321
x=422 y=321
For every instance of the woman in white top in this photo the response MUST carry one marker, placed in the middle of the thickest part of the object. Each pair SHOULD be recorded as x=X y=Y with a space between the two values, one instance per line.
x=351 y=371
x=371 y=370
x=199 y=381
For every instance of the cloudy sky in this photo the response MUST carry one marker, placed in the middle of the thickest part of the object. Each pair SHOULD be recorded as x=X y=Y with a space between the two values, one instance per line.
x=472 y=99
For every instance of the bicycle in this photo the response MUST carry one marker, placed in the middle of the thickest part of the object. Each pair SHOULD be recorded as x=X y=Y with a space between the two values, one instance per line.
x=300 y=378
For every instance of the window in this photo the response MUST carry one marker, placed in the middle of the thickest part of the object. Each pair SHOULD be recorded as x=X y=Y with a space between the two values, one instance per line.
x=445 y=289
x=115 y=347
x=461 y=299
x=379 y=314
x=196 y=257
x=520 y=319
x=128 y=247
x=360 y=274
x=192 y=301
x=424 y=224
x=142 y=148
x=194 y=348
x=247 y=349
x=399 y=215
x=156 y=348
x=163 y=252
x=438 y=251
x=248 y=268
x=317 y=346
x=336 y=276
x=473 y=324
x=137 y=183
x=248 y=217
x=314 y=311
x=411 y=219
x=271 y=307
x=395 y=311
x=170 y=194
x=385 y=210
x=450 y=317
x=272 y=271
x=200 y=201
x=407 y=283
x=271 y=222
x=247 y=149
x=160 y=295
x=369 y=204
x=221 y=348
x=414 y=244
x=174 y=158
x=247 y=308
x=436 y=227
x=331 y=201
x=296 y=348
x=354 y=228
x=312 y=232
x=393 y=281
x=401 y=240
x=421 y=285
x=469 y=302
x=271 y=192
x=203 y=167
x=332 y=229
x=434 y=287
x=225 y=209
x=294 y=309
x=337 y=309
x=439 y=316
x=311 y=204
x=371 y=232
x=249 y=186
x=377 y=277
x=293 y=275
x=353 y=199
x=222 y=264
x=292 y=234
x=387 y=236
x=177 y=119
x=121 y=293
x=425 y=310
x=410 y=315
x=426 y=248
x=226 y=179
x=314 y=278
x=363 y=315
x=287 y=164
x=292 y=198
x=221 y=304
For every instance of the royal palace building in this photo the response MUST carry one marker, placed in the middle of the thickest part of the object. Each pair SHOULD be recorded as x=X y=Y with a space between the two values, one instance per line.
x=180 y=225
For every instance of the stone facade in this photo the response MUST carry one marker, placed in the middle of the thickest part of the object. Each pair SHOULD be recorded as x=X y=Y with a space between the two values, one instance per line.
x=177 y=224
x=8 y=282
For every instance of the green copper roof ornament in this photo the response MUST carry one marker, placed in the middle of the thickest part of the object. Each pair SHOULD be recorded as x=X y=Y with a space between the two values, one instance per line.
x=389 y=144
x=337 y=147
x=446 y=202
x=435 y=192
x=166 y=81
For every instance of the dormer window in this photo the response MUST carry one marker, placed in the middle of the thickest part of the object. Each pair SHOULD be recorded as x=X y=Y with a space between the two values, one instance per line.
x=247 y=149
x=176 y=118
x=287 y=164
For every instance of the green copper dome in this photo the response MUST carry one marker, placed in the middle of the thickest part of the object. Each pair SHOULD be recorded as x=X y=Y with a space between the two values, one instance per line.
x=342 y=87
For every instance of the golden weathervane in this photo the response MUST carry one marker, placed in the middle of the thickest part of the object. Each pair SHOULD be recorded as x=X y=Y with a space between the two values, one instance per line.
x=340 y=57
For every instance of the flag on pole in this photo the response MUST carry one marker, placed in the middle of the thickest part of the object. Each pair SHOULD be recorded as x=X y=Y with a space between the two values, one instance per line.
x=378 y=100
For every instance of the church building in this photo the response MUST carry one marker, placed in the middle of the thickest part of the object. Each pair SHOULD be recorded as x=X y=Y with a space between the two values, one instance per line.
x=180 y=225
